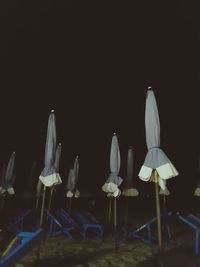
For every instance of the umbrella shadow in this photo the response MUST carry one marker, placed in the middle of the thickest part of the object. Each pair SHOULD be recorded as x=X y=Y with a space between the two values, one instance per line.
x=83 y=259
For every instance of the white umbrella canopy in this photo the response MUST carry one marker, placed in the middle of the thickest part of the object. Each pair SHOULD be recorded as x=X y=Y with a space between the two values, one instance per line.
x=129 y=190
x=49 y=175
x=155 y=159
x=111 y=186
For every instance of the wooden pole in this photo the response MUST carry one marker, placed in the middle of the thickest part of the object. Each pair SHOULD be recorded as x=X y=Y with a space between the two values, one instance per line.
x=126 y=212
x=50 y=200
x=42 y=208
x=155 y=175
x=109 y=210
x=115 y=223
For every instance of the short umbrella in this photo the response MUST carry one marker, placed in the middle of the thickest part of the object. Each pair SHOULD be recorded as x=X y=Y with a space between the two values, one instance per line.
x=156 y=161
x=197 y=190
x=72 y=179
x=71 y=185
x=113 y=181
x=29 y=190
x=10 y=176
x=129 y=190
x=7 y=179
x=2 y=179
x=76 y=172
x=111 y=187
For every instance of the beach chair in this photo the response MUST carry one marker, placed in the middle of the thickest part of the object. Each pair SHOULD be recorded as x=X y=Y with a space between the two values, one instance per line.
x=194 y=223
x=18 y=247
x=17 y=222
x=57 y=225
x=84 y=222
x=147 y=232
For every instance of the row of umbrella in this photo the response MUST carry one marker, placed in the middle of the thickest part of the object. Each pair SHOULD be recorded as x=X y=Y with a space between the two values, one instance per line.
x=156 y=168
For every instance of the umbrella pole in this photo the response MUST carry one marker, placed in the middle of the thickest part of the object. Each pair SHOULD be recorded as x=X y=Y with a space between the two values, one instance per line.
x=109 y=210
x=2 y=203
x=37 y=202
x=158 y=209
x=126 y=212
x=70 y=204
x=115 y=223
x=50 y=200
x=42 y=208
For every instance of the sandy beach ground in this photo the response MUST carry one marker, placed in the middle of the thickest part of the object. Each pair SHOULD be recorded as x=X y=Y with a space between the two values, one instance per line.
x=60 y=251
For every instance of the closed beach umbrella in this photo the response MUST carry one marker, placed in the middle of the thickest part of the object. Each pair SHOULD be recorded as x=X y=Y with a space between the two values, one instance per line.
x=129 y=190
x=72 y=179
x=7 y=180
x=157 y=167
x=2 y=180
x=29 y=191
x=197 y=190
x=113 y=182
x=49 y=176
x=10 y=176
x=76 y=173
x=111 y=187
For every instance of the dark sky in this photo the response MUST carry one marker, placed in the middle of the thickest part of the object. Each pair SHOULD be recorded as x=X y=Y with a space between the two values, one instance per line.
x=92 y=61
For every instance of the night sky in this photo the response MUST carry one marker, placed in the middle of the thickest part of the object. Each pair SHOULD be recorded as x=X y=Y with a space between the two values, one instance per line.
x=92 y=61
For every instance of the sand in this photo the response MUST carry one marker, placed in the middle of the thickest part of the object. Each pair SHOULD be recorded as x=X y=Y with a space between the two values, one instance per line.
x=60 y=251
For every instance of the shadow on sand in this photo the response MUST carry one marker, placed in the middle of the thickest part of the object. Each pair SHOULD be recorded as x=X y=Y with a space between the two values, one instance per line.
x=82 y=259
x=180 y=256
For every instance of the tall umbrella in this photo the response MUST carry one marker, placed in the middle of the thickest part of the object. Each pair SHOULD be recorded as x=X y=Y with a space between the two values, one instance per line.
x=56 y=165
x=49 y=176
x=129 y=190
x=114 y=180
x=157 y=167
